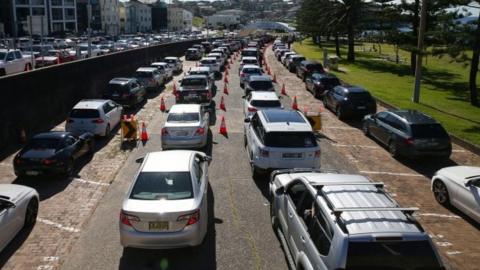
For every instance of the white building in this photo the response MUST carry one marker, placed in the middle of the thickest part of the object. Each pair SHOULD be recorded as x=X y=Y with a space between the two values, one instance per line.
x=223 y=21
x=135 y=16
x=110 y=17
x=179 y=19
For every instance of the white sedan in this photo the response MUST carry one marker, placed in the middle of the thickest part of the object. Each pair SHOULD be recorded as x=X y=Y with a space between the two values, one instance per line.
x=18 y=209
x=460 y=187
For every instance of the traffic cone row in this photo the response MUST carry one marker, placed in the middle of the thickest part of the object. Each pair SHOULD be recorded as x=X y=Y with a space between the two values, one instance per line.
x=225 y=89
x=174 y=88
x=274 y=78
x=225 y=80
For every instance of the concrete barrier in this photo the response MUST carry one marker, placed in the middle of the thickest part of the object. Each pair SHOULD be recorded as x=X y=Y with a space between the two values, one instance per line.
x=38 y=100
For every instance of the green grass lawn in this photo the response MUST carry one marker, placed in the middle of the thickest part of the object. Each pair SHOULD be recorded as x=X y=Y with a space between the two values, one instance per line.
x=444 y=92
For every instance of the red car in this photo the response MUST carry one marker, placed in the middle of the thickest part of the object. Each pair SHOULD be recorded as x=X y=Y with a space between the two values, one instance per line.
x=53 y=57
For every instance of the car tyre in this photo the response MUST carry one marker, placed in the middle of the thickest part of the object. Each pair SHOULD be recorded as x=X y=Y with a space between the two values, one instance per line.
x=91 y=147
x=107 y=131
x=440 y=192
x=392 y=149
x=339 y=113
x=31 y=212
x=69 y=167
x=273 y=218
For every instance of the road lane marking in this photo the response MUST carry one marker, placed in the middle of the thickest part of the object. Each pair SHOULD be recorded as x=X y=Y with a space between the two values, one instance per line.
x=444 y=244
x=90 y=182
x=438 y=215
x=458 y=151
x=454 y=252
x=57 y=225
x=45 y=267
x=355 y=145
x=393 y=174
x=50 y=258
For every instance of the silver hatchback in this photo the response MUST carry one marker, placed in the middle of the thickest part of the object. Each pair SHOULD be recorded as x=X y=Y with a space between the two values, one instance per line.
x=166 y=205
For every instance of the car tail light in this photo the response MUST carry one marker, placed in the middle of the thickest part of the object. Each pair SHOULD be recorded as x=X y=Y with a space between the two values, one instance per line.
x=126 y=219
x=408 y=141
x=18 y=161
x=317 y=153
x=264 y=153
x=164 y=131
x=47 y=161
x=191 y=218
x=69 y=120
x=98 y=121
x=252 y=109
x=200 y=131
x=242 y=74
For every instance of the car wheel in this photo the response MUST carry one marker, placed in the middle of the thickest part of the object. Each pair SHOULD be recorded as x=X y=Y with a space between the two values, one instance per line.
x=365 y=129
x=28 y=67
x=107 y=131
x=440 y=192
x=339 y=112
x=31 y=213
x=392 y=148
x=91 y=147
x=273 y=218
x=69 y=167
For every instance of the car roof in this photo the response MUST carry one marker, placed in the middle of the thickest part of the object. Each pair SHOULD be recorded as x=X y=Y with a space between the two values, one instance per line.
x=284 y=121
x=121 y=81
x=195 y=76
x=251 y=66
x=200 y=69
x=308 y=62
x=249 y=58
x=146 y=69
x=167 y=161
x=414 y=117
x=90 y=103
x=159 y=63
x=250 y=49
x=263 y=78
x=209 y=58
x=324 y=75
x=352 y=89
x=264 y=95
x=52 y=135
x=185 y=108
x=171 y=58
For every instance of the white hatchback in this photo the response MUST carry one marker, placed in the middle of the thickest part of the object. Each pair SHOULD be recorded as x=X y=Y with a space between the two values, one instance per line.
x=260 y=100
x=97 y=116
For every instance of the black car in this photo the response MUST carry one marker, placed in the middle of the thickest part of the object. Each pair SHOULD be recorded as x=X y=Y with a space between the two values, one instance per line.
x=52 y=152
x=320 y=83
x=259 y=83
x=349 y=101
x=308 y=67
x=128 y=92
x=409 y=133
x=294 y=62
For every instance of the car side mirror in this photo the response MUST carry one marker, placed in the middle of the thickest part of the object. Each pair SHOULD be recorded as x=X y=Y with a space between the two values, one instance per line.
x=207 y=159
x=280 y=191
x=246 y=120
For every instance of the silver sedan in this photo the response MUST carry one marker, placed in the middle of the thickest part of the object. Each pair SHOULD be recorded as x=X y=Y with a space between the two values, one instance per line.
x=166 y=205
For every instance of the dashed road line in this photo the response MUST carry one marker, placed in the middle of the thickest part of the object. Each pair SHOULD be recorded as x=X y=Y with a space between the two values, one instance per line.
x=438 y=215
x=90 y=182
x=453 y=252
x=393 y=173
x=57 y=225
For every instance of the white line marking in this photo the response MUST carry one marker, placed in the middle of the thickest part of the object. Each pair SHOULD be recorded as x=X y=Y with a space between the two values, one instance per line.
x=437 y=215
x=50 y=258
x=455 y=252
x=90 y=182
x=458 y=151
x=57 y=225
x=355 y=145
x=45 y=267
x=393 y=174
x=444 y=244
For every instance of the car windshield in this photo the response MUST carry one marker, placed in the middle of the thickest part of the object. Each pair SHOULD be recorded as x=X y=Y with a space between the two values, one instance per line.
x=290 y=139
x=43 y=143
x=428 y=131
x=250 y=61
x=194 y=82
x=84 y=113
x=412 y=255
x=265 y=103
x=52 y=53
x=252 y=71
x=162 y=186
x=183 y=117
x=118 y=89
x=199 y=73
x=330 y=81
x=298 y=59
x=207 y=62
x=143 y=74
x=259 y=85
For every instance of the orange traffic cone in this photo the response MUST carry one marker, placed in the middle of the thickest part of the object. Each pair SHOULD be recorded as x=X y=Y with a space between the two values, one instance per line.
x=162 y=105
x=226 y=72
x=222 y=104
x=225 y=89
x=144 y=135
x=225 y=80
x=294 y=104
x=23 y=136
x=223 y=127
x=283 y=91
x=274 y=78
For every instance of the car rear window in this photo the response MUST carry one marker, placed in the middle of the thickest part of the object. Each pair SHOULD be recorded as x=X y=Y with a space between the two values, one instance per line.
x=43 y=143
x=290 y=139
x=249 y=61
x=194 y=82
x=143 y=74
x=314 y=67
x=199 y=73
x=392 y=255
x=170 y=61
x=162 y=186
x=208 y=62
x=252 y=71
x=84 y=113
x=183 y=117
x=266 y=103
x=118 y=89
x=359 y=95
x=330 y=81
x=428 y=131
x=261 y=85
x=249 y=53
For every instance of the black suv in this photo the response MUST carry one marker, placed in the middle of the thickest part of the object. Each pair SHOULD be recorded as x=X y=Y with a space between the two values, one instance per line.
x=409 y=133
x=308 y=67
x=125 y=91
x=349 y=101
x=320 y=83
x=293 y=64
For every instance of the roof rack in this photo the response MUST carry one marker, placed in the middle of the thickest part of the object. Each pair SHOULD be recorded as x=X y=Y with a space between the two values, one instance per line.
x=338 y=211
x=299 y=170
x=376 y=184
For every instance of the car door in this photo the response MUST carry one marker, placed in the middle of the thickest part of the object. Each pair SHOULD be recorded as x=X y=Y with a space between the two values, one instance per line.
x=116 y=112
x=298 y=226
x=19 y=61
x=468 y=198
x=317 y=246
x=294 y=195
x=8 y=224
x=11 y=66
x=379 y=127
x=202 y=187
x=107 y=110
x=246 y=102
x=309 y=83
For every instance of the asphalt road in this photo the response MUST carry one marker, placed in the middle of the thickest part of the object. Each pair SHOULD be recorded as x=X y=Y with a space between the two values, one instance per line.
x=239 y=235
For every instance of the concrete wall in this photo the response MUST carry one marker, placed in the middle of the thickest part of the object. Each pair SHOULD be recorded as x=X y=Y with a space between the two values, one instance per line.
x=38 y=100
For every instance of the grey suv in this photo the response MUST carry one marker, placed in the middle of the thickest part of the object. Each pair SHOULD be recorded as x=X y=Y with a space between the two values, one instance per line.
x=340 y=221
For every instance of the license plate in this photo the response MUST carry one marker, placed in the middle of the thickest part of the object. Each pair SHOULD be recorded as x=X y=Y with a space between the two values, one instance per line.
x=115 y=95
x=32 y=173
x=181 y=133
x=158 y=225
x=292 y=155
x=361 y=107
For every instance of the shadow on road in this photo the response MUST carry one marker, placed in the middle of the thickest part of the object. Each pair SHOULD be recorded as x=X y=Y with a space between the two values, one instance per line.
x=202 y=257
x=14 y=245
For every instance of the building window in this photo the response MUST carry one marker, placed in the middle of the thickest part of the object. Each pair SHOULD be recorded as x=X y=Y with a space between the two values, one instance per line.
x=38 y=11
x=21 y=2
x=69 y=3
x=38 y=2
x=57 y=27
x=70 y=26
x=70 y=14
x=22 y=14
x=56 y=2
x=57 y=14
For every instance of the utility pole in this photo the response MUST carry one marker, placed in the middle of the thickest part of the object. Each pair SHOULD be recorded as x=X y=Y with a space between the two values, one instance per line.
x=420 y=49
x=89 y=29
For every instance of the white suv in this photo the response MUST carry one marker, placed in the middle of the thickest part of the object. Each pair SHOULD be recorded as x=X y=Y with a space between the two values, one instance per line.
x=97 y=116
x=279 y=139
x=260 y=100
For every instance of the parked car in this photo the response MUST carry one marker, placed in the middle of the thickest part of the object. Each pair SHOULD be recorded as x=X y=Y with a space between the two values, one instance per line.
x=187 y=126
x=166 y=205
x=342 y=221
x=247 y=60
x=221 y=52
x=193 y=54
x=206 y=71
x=259 y=83
x=97 y=116
x=278 y=139
x=53 y=57
x=149 y=77
x=251 y=52
x=164 y=69
x=294 y=61
x=280 y=52
x=213 y=64
x=285 y=56
x=128 y=92
x=52 y=153
x=320 y=83
x=18 y=210
x=247 y=71
x=260 y=100
x=194 y=89
x=459 y=186
x=13 y=61
x=409 y=133
x=175 y=64
x=200 y=48
x=308 y=67
x=350 y=101
x=221 y=60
